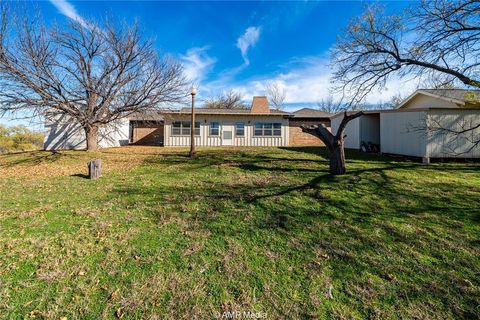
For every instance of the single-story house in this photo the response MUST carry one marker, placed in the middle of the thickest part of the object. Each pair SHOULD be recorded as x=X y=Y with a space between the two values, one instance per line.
x=412 y=128
x=257 y=126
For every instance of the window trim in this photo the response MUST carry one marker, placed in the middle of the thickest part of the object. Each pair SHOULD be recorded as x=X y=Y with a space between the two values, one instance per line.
x=189 y=131
x=272 y=124
x=210 y=129
x=243 y=128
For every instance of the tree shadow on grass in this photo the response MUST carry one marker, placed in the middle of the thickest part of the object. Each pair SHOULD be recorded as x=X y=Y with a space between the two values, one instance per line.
x=34 y=158
x=373 y=181
x=80 y=175
x=381 y=227
x=252 y=162
x=349 y=153
x=379 y=182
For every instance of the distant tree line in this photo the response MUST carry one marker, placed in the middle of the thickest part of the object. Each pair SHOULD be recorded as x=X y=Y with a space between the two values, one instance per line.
x=19 y=138
x=232 y=99
x=226 y=100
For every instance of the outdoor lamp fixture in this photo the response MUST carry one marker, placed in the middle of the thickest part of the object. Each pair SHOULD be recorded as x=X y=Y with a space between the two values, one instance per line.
x=193 y=92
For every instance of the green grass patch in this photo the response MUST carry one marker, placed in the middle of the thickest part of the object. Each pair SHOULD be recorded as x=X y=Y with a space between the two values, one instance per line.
x=257 y=230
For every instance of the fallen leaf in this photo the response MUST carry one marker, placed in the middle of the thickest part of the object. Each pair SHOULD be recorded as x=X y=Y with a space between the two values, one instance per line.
x=114 y=295
x=33 y=314
x=119 y=313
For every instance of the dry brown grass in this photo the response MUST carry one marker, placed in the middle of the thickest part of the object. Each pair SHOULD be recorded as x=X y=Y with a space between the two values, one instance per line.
x=44 y=164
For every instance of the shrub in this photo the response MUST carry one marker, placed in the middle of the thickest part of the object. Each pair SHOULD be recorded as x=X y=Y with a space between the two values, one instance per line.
x=19 y=138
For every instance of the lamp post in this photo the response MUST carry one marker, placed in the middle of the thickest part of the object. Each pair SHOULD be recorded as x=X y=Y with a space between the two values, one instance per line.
x=192 y=124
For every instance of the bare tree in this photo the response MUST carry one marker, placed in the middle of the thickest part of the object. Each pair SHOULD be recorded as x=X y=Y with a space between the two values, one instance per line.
x=227 y=100
x=334 y=142
x=437 y=39
x=392 y=103
x=330 y=105
x=276 y=95
x=93 y=74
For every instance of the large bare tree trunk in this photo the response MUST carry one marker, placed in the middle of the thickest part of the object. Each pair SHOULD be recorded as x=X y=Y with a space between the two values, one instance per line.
x=337 y=158
x=92 y=138
x=91 y=74
x=334 y=142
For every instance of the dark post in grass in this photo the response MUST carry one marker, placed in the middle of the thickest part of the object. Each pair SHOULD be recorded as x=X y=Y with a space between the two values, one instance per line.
x=192 y=124
x=94 y=169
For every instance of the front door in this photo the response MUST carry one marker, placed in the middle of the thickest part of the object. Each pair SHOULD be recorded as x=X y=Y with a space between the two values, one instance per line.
x=227 y=135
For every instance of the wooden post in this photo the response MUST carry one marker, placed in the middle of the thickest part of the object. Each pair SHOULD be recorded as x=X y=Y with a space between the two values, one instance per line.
x=94 y=169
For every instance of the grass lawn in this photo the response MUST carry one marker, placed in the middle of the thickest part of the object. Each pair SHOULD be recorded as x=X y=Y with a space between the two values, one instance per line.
x=263 y=230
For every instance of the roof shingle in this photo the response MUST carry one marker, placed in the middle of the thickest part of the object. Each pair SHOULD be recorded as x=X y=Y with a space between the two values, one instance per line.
x=232 y=111
x=311 y=113
x=456 y=94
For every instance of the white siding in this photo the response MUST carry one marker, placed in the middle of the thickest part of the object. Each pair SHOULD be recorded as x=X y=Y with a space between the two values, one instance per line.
x=405 y=133
x=352 y=131
x=210 y=141
x=370 y=128
x=444 y=145
x=424 y=101
x=61 y=132
x=401 y=133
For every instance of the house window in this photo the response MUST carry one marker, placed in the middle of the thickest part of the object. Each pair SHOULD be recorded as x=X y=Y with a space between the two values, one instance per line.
x=277 y=129
x=240 y=129
x=182 y=128
x=258 y=129
x=214 y=128
x=267 y=129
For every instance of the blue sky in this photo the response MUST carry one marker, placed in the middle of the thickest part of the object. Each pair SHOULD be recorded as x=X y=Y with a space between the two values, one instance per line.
x=240 y=45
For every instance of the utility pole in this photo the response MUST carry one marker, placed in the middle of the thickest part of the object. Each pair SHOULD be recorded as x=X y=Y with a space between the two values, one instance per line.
x=192 y=124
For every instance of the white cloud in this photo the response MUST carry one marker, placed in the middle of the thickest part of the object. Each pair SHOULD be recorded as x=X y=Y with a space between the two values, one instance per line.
x=248 y=40
x=68 y=10
x=197 y=63
x=307 y=81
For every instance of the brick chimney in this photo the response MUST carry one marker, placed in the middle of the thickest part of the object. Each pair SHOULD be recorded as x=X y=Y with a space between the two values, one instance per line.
x=260 y=105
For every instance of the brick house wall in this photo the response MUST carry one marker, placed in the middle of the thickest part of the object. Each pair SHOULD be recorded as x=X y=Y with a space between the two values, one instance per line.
x=299 y=138
x=147 y=133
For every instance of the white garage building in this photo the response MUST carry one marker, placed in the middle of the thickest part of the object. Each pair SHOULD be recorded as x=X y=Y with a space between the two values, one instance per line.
x=63 y=133
x=423 y=126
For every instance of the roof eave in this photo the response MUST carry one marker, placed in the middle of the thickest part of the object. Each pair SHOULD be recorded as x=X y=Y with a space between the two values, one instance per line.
x=235 y=114
x=417 y=92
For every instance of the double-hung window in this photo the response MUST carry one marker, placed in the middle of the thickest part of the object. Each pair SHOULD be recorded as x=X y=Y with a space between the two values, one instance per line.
x=240 y=129
x=214 y=128
x=277 y=129
x=267 y=129
x=182 y=128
